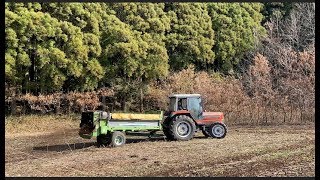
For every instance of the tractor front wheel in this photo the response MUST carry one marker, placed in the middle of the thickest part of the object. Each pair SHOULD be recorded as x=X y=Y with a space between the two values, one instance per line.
x=218 y=130
x=182 y=128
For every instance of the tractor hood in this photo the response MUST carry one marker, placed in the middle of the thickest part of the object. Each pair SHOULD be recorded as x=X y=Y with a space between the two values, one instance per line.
x=213 y=115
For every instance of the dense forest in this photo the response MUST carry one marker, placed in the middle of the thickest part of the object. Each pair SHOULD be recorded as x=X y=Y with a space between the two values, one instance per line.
x=252 y=61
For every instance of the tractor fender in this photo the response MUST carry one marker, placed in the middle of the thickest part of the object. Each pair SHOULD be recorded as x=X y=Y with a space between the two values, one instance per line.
x=178 y=114
x=220 y=122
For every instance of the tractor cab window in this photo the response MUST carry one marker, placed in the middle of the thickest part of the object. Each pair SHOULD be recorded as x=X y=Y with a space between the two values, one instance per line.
x=172 y=104
x=201 y=105
x=182 y=104
x=195 y=107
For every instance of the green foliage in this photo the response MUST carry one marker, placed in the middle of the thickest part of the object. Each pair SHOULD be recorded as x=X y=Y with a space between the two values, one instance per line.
x=142 y=54
x=237 y=28
x=80 y=46
x=191 y=38
x=47 y=51
x=276 y=9
x=134 y=51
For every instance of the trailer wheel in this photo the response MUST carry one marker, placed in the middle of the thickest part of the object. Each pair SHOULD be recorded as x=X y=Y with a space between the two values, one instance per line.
x=104 y=139
x=218 y=130
x=118 y=139
x=182 y=128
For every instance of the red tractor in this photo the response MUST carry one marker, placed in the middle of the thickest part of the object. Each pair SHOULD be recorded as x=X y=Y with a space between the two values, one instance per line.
x=185 y=116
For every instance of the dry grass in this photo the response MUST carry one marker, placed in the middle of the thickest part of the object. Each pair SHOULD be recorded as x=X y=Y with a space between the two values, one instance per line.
x=34 y=124
x=245 y=151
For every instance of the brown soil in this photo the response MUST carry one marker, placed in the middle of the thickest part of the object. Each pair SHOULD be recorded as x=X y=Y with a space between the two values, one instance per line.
x=245 y=151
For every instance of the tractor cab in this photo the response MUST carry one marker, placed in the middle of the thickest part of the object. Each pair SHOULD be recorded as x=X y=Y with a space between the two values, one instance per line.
x=191 y=103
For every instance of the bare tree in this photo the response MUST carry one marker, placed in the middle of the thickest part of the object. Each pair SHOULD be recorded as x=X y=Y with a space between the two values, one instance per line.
x=297 y=30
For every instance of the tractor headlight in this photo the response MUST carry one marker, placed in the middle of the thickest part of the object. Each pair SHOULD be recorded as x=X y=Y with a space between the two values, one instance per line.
x=105 y=115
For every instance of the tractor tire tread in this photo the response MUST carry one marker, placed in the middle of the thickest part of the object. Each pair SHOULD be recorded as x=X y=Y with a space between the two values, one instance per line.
x=225 y=130
x=175 y=121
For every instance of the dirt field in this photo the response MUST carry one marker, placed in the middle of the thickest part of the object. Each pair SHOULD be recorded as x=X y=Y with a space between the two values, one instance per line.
x=245 y=151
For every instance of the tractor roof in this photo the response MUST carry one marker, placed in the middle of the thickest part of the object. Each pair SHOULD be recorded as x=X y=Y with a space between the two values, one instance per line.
x=184 y=95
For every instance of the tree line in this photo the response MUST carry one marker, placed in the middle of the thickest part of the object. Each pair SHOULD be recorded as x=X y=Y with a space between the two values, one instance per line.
x=140 y=49
x=81 y=46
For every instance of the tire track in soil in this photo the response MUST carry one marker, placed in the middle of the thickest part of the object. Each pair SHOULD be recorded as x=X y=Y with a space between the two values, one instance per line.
x=63 y=142
x=50 y=145
x=56 y=143
x=257 y=165
x=233 y=160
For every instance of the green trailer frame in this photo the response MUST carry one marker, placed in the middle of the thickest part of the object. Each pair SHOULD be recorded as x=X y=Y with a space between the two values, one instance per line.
x=106 y=125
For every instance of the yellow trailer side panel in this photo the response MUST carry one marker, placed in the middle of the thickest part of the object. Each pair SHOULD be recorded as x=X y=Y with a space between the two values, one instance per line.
x=129 y=116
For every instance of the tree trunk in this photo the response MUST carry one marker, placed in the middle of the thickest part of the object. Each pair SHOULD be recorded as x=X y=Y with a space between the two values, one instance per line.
x=265 y=115
x=82 y=108
x=272 y=113
x=103 y=103
x=123 y=104
x=24 y=89
x=13 y=106
x=141 y=100
x=284 y=116
x=57 y=108
x=32 y=67
x=258 y=119
x=251 y=114
x=290 y=112
x=69 y=107
x=301 y=114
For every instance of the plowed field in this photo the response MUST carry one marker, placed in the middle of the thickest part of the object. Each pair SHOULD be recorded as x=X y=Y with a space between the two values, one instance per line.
x=245 y=151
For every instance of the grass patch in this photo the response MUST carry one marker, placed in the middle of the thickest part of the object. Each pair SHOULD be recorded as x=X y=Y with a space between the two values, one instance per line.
x=40 y=123
x=302 y=153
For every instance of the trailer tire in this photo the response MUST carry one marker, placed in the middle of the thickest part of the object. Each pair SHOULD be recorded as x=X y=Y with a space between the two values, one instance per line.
x=104 y=139
x=218 y=130
x=182 y=128
x=118 y=139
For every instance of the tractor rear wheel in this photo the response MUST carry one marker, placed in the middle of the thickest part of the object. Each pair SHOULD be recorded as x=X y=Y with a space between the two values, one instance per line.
x=166 y=132
x=166 y=129
x=182 y=128
x=218 y=130
x=118 y=139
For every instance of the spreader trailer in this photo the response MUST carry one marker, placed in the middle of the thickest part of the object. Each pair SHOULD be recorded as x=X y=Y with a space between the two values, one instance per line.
x=110 y=128
x=183 y=118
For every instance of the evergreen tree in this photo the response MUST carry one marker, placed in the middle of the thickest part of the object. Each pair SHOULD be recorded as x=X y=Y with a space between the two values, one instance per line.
x=44 y=51
x=281 y=9
x=191 y=38
x=135 y=51
x=237 y=28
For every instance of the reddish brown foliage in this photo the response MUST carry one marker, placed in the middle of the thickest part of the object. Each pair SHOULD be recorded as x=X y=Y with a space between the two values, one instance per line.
x=268 y=93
